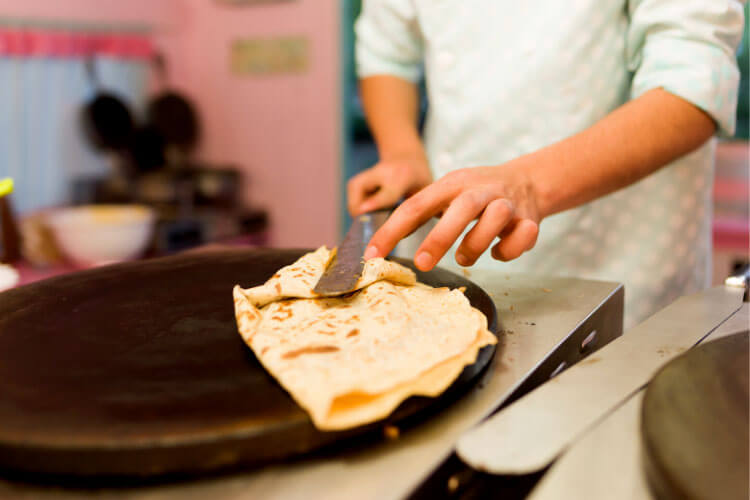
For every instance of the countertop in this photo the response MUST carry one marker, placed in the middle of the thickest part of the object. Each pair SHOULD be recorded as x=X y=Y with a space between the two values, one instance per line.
x=535 y=314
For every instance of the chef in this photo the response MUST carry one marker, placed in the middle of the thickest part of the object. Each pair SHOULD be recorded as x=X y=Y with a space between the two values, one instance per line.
x=569 y=137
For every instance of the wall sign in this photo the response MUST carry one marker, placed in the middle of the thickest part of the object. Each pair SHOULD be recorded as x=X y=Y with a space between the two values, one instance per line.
x=254 y=56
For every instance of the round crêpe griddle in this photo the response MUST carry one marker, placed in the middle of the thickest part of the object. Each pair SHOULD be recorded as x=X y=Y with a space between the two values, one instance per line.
x=138 y=370
x=694 y=423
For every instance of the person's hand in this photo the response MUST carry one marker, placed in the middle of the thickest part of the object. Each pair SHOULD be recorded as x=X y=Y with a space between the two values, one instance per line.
x=387 y=182
x=502 y=198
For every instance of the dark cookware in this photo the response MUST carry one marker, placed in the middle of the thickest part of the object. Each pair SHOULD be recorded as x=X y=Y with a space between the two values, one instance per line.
x=138 y=370
x=106 y=119
x=694 y=423
x=147 y=149
x=172 y=114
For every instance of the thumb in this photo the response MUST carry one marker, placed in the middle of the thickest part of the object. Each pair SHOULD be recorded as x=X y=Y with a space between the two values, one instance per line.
x=359 y=187
x=384 y=197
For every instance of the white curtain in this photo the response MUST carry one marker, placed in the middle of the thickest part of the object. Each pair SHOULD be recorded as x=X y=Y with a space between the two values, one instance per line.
x=42 y=144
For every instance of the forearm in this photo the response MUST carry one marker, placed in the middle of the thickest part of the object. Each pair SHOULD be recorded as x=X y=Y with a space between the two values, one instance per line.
x=628 y=144
x=391 y=106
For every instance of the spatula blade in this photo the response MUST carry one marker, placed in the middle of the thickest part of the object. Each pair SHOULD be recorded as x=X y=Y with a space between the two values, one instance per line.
x=345 y=269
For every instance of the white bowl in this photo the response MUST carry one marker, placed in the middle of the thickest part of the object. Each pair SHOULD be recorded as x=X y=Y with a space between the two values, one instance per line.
x=95 y=235
x=8 y=277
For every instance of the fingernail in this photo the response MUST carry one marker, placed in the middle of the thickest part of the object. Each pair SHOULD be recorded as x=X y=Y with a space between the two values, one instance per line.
x=423 y=260
x=371 y=252
x=462 y=259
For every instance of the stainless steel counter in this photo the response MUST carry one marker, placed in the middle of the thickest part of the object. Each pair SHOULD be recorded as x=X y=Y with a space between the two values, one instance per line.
x=607 y=461
x=535 y=315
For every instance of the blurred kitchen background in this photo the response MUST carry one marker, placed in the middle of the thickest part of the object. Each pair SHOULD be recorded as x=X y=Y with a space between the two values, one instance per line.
x=232 y=121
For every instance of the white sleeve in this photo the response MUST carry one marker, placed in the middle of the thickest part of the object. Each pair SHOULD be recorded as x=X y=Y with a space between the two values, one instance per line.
x=388 y=39
x=687 y=47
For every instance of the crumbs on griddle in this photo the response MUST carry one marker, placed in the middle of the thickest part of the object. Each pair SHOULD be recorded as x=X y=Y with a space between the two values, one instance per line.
x=391 y=432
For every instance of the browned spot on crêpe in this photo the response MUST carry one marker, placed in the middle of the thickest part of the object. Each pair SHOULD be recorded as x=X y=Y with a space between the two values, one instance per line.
x=353 y=333
x=283 y=308
x=277 y=287
x=592 y=360
x=319 y=349
x=264 y=350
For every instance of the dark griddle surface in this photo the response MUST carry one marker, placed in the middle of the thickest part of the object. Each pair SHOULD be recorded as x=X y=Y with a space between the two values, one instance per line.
x=138 y=369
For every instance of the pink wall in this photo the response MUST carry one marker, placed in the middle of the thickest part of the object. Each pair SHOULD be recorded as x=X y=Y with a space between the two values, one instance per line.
x=134 y=11
x=165 y=17
x=283 y=130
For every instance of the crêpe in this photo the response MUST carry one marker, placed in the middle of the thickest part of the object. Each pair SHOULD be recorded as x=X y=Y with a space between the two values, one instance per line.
x=352 y=359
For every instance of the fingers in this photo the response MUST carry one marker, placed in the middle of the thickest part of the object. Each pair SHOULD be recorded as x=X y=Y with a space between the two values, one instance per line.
x=360 y=188
x=519 y=237
x=370 y=190
x=461 y=197
x=411 y=214
x=384 y=197
x=462 y=210
x=497 y=214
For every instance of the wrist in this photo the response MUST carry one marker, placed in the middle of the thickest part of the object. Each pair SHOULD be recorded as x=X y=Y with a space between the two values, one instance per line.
x=403 y=152
x=534 y=181
x=399 y=141
x=408 y=168
x=414 y=159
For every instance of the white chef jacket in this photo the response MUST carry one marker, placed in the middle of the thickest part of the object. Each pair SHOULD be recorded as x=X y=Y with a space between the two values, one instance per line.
x=508 y=77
